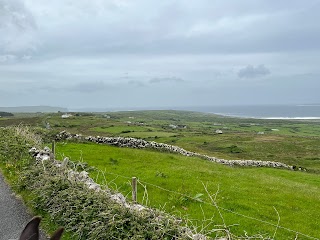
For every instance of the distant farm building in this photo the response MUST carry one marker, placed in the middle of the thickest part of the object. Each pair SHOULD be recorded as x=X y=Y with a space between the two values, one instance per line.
x=66 y=115
x=177 y=126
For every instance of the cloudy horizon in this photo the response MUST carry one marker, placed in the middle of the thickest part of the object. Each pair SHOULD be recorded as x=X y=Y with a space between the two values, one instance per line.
x=142 y=53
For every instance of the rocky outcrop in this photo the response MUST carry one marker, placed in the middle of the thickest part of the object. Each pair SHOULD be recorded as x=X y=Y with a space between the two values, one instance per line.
x=140 y=143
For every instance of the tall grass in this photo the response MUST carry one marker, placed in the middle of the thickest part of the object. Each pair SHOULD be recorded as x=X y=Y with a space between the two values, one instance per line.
x=253 y=192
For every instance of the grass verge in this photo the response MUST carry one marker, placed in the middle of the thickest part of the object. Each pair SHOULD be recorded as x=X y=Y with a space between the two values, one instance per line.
x=253 y=192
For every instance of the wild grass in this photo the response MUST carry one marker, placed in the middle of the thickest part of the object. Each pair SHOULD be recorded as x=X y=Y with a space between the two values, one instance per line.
x=253 y=192
x=296 y=142
x=84 y=213
x=15 y=161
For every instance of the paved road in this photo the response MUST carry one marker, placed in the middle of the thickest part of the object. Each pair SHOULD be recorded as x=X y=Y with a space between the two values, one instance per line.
x=13 y=213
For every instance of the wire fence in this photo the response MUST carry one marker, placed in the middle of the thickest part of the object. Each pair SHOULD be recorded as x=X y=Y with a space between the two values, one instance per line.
x=214 y=205
x=211 y=204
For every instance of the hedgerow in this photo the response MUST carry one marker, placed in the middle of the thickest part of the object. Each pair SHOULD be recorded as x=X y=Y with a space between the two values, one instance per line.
x=85 y=213
x=93 y=215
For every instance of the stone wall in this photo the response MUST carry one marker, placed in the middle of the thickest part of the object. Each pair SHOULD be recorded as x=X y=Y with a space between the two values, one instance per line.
x=43 y=155
x=140 y=143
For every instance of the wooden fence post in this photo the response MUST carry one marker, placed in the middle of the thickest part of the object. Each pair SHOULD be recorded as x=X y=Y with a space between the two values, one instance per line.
x=134 y=189
x=53 y=149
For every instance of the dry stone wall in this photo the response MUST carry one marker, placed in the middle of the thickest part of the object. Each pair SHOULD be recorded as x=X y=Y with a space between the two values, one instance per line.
x=43 y=155
x=140 y=143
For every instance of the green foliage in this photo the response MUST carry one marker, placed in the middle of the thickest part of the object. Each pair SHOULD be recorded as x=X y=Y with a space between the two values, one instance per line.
x=114 y=161
x=93 y=215
x=161 y=174
x=84 y=213
x=296 y=142
x=294 y=194
x=249 y=191
x=234 y=149
x=14 y=145
x=6 y=114
x=126 y=131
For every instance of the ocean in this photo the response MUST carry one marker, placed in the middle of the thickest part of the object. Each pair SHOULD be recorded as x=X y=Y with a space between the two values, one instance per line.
x=264 y=111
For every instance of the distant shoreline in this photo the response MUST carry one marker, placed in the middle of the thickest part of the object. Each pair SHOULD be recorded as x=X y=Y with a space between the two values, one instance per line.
x=270 y=118
x=294 y=118
x=273 y=112
x=277 y=112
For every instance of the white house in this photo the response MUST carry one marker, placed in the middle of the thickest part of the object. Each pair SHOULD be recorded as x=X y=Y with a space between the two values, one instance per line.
x=66 y=115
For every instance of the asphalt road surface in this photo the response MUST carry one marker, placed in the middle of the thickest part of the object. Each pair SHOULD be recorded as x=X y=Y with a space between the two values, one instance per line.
x=13 y=213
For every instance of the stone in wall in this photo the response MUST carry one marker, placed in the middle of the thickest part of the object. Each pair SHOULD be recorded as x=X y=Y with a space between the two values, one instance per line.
x=140 y=143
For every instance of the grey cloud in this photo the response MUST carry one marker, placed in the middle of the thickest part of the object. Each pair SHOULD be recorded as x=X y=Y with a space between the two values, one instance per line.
x=136 y=83
x=253 y=72
x=86 y=46
x=88 y=87
x=17 y=27
x=166 y=80
x=8 y=58
x=180 y=28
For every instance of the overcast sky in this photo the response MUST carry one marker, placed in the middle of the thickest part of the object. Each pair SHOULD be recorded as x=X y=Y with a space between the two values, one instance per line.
x=147 y=53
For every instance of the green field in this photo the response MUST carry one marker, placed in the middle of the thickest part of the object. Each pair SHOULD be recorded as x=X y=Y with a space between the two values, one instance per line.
x=253 y=192
x=249 y=191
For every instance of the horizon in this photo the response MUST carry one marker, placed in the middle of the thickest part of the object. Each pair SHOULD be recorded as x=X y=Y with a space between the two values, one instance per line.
x=166 y=107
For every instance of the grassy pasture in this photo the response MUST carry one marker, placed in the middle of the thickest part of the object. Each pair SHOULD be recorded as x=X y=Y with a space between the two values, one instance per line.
x=291 y=150
x=122 y=129
x=134 y=131
x=249 y=191
x=296 y=142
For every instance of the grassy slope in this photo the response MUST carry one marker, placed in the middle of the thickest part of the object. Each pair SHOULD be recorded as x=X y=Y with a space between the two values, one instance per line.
x=294 y=194
x=296 y=142
x=250 y=191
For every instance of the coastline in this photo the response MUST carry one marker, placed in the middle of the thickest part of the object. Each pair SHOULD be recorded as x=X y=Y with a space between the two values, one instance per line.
x=279 y=112
x=293 y=118
x=266 y=118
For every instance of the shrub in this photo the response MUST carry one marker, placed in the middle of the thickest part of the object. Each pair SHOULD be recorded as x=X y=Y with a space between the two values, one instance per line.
x=88 y=214
x=85 y=213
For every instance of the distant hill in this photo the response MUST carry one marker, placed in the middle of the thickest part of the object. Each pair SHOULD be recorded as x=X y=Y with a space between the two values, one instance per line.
x=32 y=109
x=6 y=114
